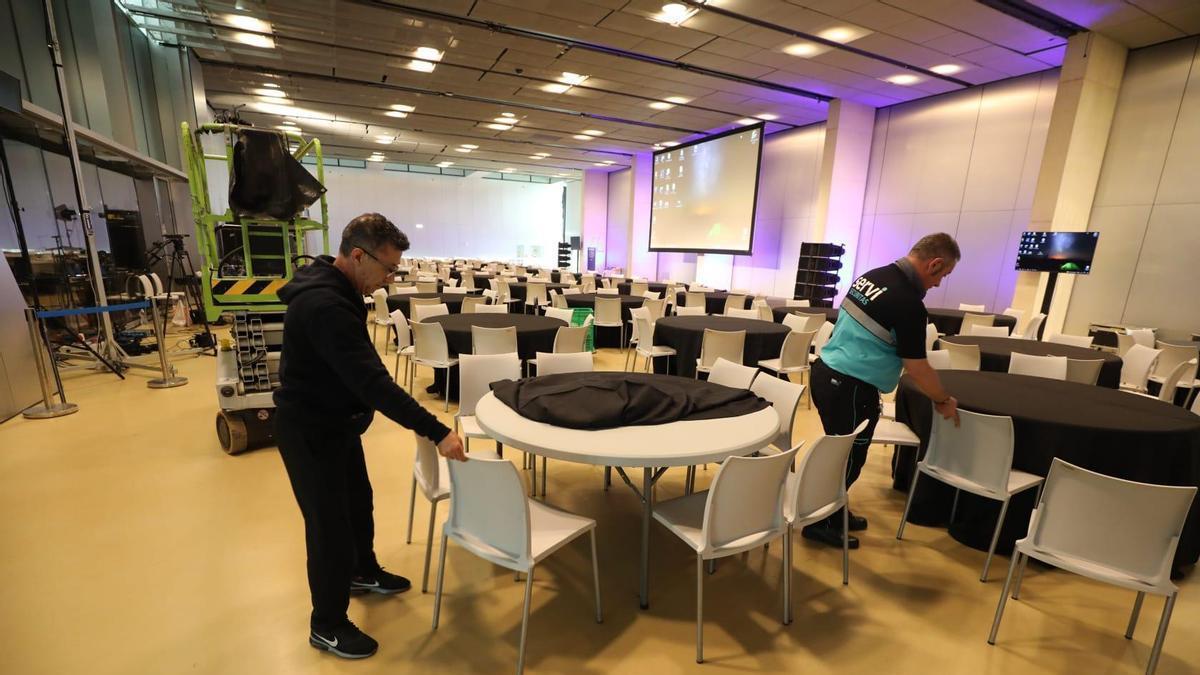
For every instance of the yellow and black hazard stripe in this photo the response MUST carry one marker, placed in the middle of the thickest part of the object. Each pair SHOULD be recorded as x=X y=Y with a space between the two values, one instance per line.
x=247 y=286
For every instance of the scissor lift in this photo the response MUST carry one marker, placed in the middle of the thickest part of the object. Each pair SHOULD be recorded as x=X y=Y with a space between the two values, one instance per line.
x=245 y=287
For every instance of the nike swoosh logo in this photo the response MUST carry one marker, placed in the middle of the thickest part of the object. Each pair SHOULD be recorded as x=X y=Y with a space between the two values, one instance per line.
x=331 y=643
x=374 y=584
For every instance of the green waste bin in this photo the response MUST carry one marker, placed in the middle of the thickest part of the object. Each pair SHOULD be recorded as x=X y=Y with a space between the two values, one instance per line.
x=579 y=317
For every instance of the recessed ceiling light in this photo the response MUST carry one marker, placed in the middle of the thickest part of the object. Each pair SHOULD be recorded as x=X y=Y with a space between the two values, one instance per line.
x=505 y=120
x=462 y=149
x=468 y=146
x=560 y=175
x=445 y=164
x=508 y=169
x=270 y=85
x=499 y=127
x=542 y=154
x=669 y=144
x=581 y=137
x=288 y=123
x=288 y=127
x=507 y=114
x=608 y=162
x=384 y=139
x=947 y=69
x=661 y=105
x=428 y=54
x=804 y=49
x=248 y=23
x=555 y=88
x=536 y=157
x=599 y=164
x=746 y=121
x=254 y=40
x=396 y=113
x=593 y=132
x=844 y=34
x=419 y=226
x=374 y=158
x=678 y=100
x=402 y=107
x=767 y=116
x=572 y=78
x=675 y=13
x=421 y=66
x=904 y=79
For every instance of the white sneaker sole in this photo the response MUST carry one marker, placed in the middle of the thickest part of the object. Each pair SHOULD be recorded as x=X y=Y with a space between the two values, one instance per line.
x=335 y=651
x=356 y=588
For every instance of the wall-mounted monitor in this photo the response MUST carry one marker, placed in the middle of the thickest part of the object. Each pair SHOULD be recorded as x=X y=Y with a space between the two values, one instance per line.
x=704 y=193
x=1064 y=252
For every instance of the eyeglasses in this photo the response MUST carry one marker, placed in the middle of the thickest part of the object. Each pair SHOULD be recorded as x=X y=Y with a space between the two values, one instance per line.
x=391 y=270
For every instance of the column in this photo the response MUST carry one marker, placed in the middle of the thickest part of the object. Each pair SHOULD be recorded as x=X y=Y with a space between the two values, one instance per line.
x=843 y=179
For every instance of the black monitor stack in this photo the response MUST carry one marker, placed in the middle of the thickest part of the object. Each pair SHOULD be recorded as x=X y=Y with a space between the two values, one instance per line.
x=817 y=273
x=564 y=254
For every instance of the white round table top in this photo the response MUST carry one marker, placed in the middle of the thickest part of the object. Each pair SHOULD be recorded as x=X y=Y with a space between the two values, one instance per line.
x=673 y=444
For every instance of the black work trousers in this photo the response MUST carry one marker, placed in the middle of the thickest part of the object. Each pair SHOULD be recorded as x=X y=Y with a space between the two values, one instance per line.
x=329 y=478
x=843 y=402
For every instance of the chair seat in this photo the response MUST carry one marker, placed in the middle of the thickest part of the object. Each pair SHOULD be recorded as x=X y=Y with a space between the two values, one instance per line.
x=550 y=528
x=408 y=351
x=891 y=432
x=1017 y=481
x=1129 y=386
x=888 y=410
x=383 y=322
x=434 y=364
x=776 y=366
x=684 y=517
x=1096 y=571
x=469 y=427
x=656 y=351
x=789 y=505
x=608 y=324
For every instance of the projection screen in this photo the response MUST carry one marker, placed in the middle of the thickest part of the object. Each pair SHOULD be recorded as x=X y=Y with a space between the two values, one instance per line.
x=705 y=192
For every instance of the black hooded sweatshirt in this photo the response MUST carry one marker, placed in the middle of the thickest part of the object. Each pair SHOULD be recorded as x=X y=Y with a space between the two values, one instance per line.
x=330 y=374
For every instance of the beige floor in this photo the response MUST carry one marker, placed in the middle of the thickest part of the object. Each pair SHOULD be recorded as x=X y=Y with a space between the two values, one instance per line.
x=132 y=544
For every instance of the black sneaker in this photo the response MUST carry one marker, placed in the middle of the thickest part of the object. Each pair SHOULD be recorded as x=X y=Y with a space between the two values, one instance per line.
x=857 y=523
x=828 y=535
x=380 y=581
x=346 y=641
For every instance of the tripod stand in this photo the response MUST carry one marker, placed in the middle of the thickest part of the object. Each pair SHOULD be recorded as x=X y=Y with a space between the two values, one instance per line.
x=179 y=264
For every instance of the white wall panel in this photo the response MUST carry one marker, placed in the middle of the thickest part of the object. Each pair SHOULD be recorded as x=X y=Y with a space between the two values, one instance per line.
x=620 y=195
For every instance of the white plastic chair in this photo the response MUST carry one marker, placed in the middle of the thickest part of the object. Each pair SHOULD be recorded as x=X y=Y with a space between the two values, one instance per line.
x=1172 y=355
x=475 y=373
x=741 y=511
x=971 y=308
x=1136 y=367
x=493 y=340
x=1107 y=529
x=1015 y=313
x=1084 y=371
x=976 y=457
x=404 y=346
x=824 y=331
x=970 y=321
x=645 y=347
x=765 y=313
x=742 y=313
x=502 y=308
x=1084 y=341
x=718 y=344
x=989 y=331
x=382 y=318
x=430 y=350
x=552 y=363
x=1142 y=336
x=689 y=311
x=962 y=357
x=491 y=518
x=734 y=301
x=405 y=290
x=422 y=312
x=939 y=359
x=931 y=336
x=797 y=303
x=1052 y=367
x=608 y=315
x=427 y=287
x=638 y=287
x=793 y=356
x=729 y=374
x=784 y=397
x=1166 y=392
x=608 y=291
x=656 y=307
x=535 y=294
x=804 y=322
x=1035 y=324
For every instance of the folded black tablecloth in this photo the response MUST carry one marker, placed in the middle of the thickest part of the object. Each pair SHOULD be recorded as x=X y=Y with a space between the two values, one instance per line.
x=609 y=400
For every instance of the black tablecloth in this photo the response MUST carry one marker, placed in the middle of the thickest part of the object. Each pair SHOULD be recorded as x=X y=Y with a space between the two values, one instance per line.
x=610 y=400
x=996 y=352
x=949 y=321
x=656 y=286
x=517 y=289
x=1107 y=431
x=607 y=337
x=684 y=334
x=400 y=302
x=714 y=302
x=534 y=333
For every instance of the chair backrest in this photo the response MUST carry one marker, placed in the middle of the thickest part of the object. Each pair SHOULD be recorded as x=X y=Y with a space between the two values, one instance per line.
x=785 y=399
x=795 y=349
x=939 y=359
x=962 y=357
x=727 y=344
x=451 y=283
x=606 y=282
x=1136 y=365
x=493 y=340
x=745 y=500
x=422 y=312
x=1124 y=525
x=1072 y=340
x=501 y=308
x=1035 y=324
x=730 y=374
x=821 y=474
x=608 y=310
x=403 y=332
x=735 y=301
x=797 y=303
x=381 y=309
x=931 y=336
x=573 y=290
x=971 y=320
x=535 y=293
x=1084 y=371
x=741 y=313
x=611 y=290
x=971 y=308
x=429 y=342
x=979 y=449
x=655 y=306
x=488 y=511
x=1172 y=355
x=588 y=284
x=1124 y=342
x=651 y=295
x=469 y=304
x=1052 y=367
x=824 y=332
x=765 y=313
x=426 y=467
x=1142 y=336
x=405 y=290
x=558 y=300
x=427 y=287
x=694 y=299
x=689 y=311
x=560 y=313
x=638 y=287
x=564 y=362
x=413 y=302
x=477 y=371
x=570 y=339
x=468 y=280
x=1015 y=313
x=989 y=331
x=813 y=321
x=1172 y=379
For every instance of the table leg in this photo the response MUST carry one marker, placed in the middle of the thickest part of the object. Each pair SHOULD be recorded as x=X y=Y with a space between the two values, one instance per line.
x=647 y=486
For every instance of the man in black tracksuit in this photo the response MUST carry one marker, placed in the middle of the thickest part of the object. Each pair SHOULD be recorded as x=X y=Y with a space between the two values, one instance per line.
x=880 y=331
x=331 y=382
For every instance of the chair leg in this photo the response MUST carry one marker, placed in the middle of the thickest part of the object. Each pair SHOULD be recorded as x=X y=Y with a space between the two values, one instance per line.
x=445 y=394
x=987 y=563
x=525 y=621
x=846 y=544
x=596 y=578
x=412 y=503
x=428 y=547
x=787 y=575
x=1003 y=598
x=437 y=593
x=607 y=477
x=712 y=566
x=912 y=489
x=699 y=609
x=1168 y=607
x=954 y=505
x=1016 y=591
x=533 y=476
x=1133 y=616
x=543 y=479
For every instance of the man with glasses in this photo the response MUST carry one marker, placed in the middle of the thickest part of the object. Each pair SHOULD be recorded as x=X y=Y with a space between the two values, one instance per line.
x=331 y=382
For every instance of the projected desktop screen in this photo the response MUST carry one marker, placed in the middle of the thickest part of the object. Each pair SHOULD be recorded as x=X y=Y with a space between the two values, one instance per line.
x=704 y=194
x=1065 y=252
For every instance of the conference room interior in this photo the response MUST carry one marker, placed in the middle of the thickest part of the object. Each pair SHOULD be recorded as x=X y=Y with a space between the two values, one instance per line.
x=632 y=227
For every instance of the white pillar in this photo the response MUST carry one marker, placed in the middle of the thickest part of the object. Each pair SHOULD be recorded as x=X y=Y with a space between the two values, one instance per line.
x=641 y=263
x=843 y=181
x=595 y=215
